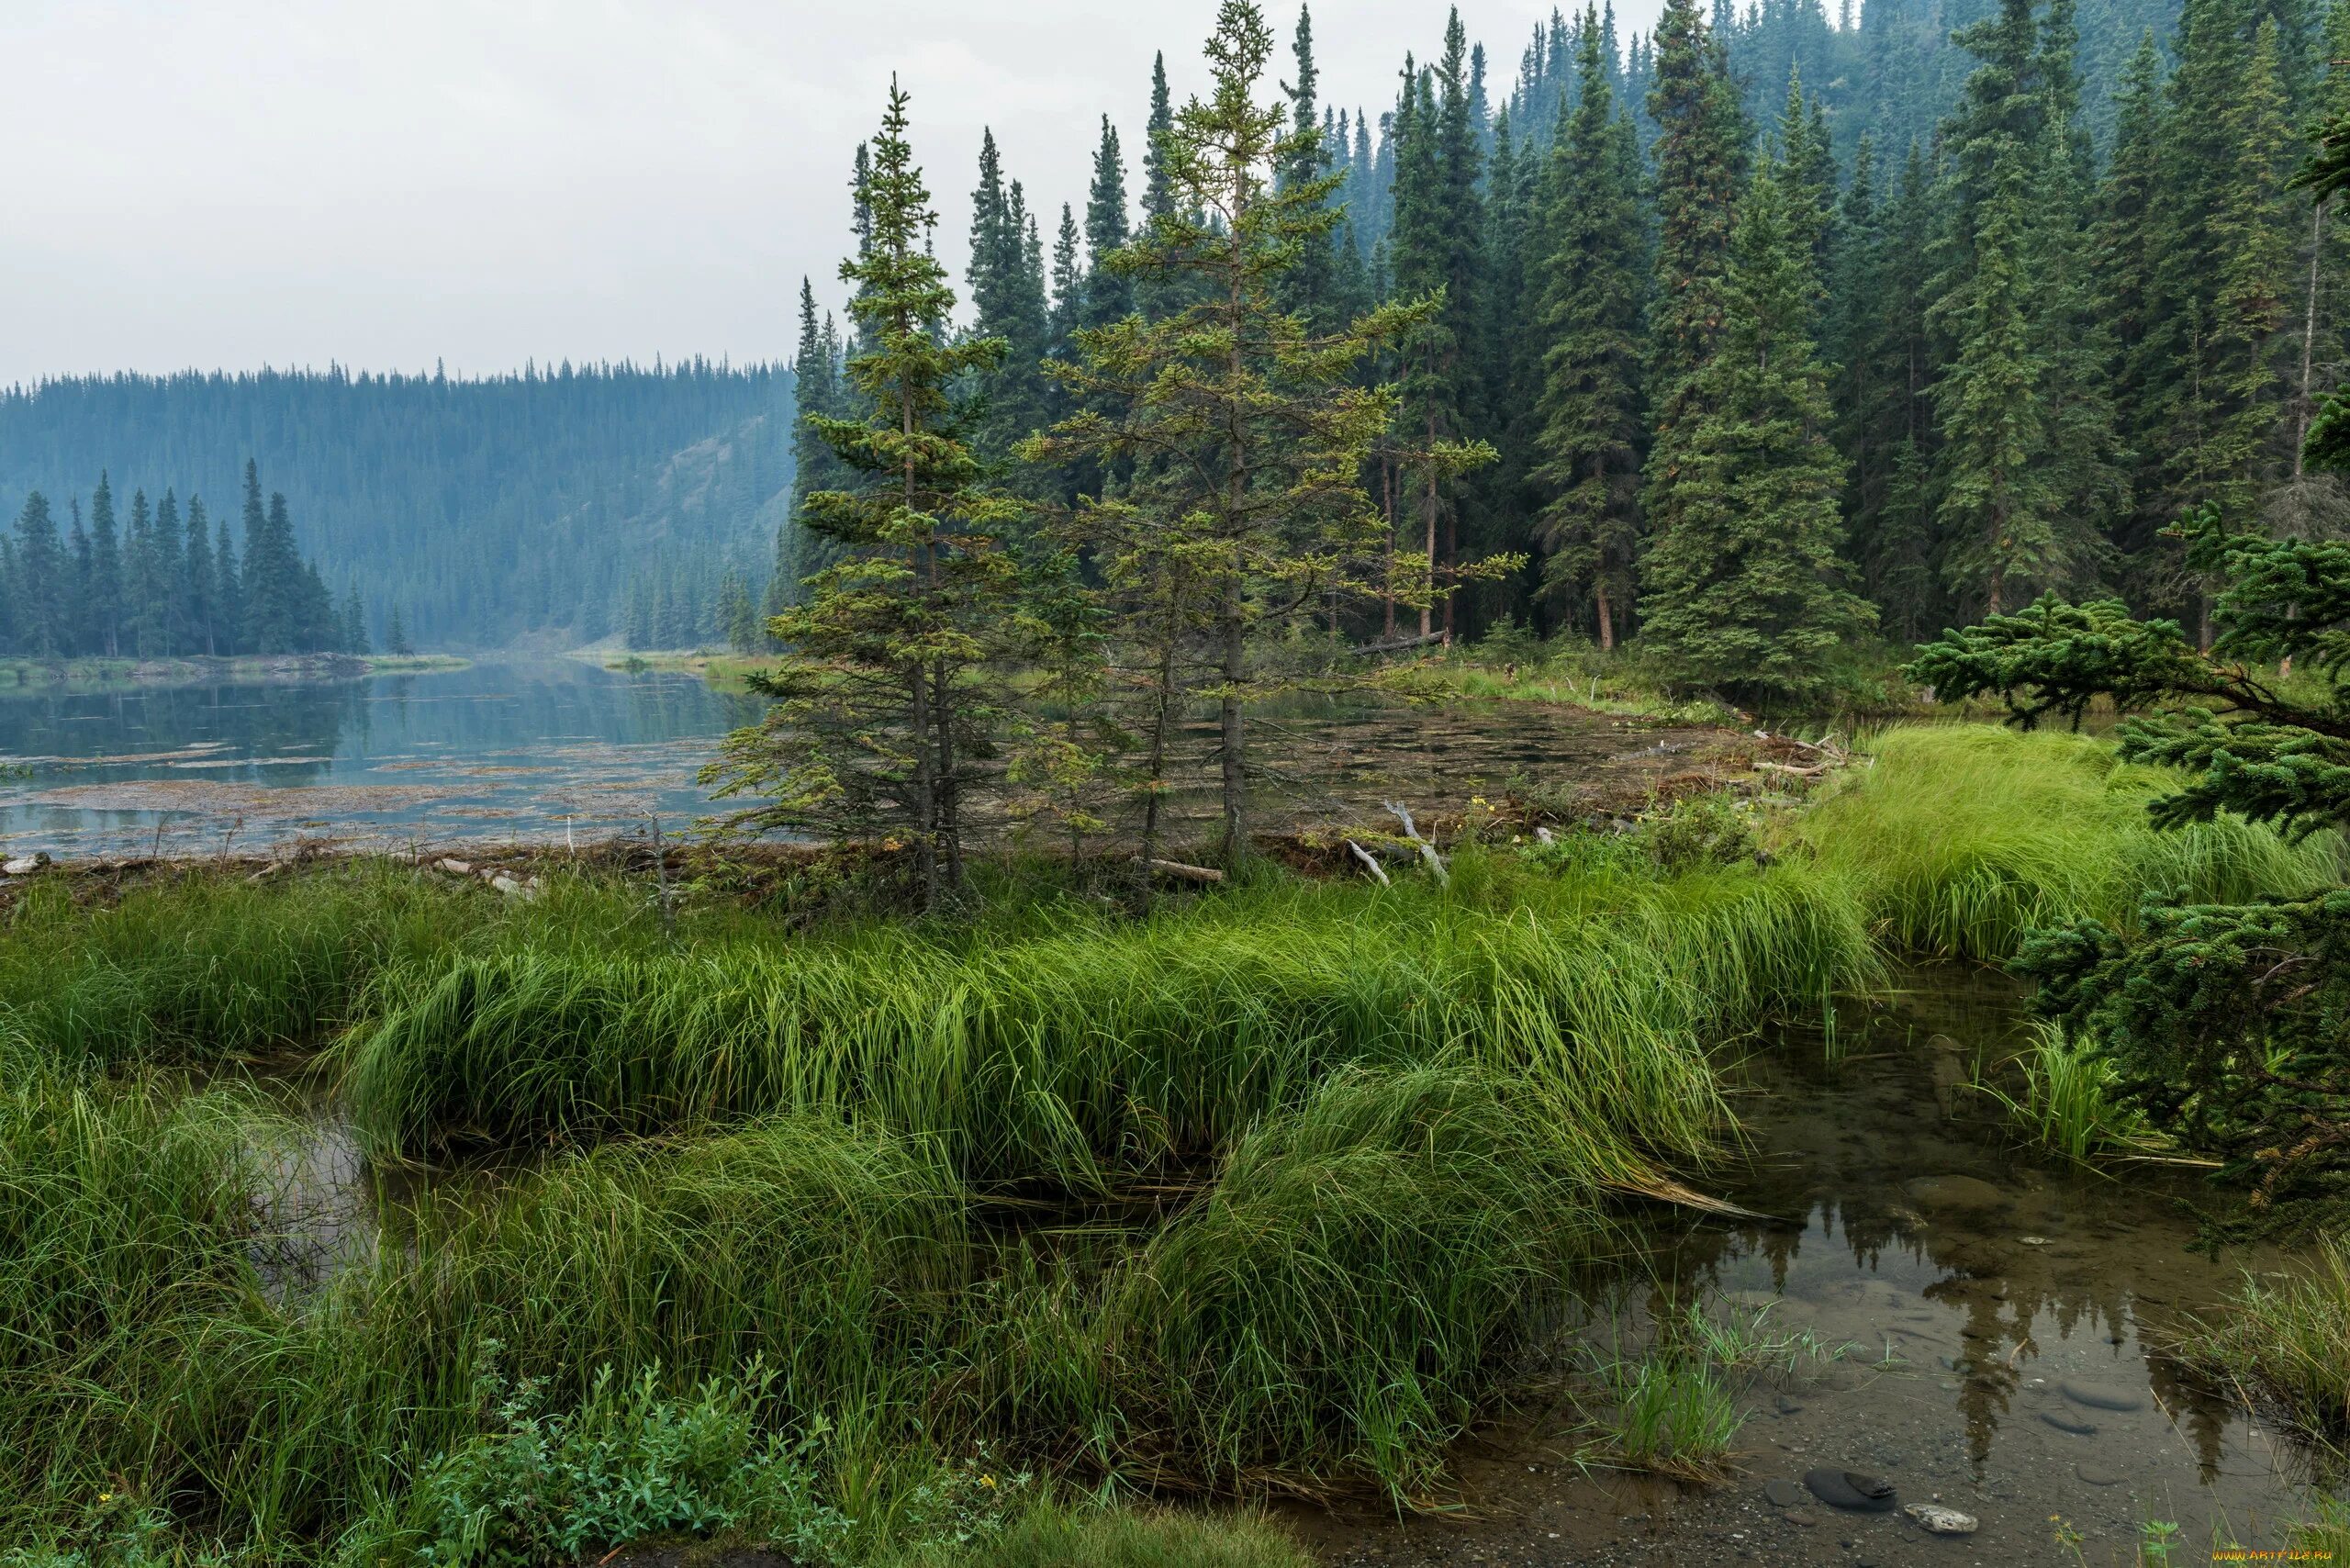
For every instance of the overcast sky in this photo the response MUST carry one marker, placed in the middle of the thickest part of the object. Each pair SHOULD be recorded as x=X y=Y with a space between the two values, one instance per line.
x=234 y=182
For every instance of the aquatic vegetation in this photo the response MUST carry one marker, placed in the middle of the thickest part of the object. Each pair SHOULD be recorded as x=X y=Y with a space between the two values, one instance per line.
x=2068 y=1100
x=2282 y=1341
x=1965 y=838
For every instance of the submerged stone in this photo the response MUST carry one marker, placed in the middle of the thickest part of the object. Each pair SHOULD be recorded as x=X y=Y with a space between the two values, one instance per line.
x=1939 y=1520
x=2064 y=1421
x=1781 y=1493
x=1960 y=1193
x=2098 y=1396
x=1851 y=1490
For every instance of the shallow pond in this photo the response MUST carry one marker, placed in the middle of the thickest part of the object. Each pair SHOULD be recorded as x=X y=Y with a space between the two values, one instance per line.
x=2000 y=1323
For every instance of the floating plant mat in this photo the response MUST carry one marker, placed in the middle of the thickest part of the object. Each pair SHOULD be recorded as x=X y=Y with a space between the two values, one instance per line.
x=2003 y=1323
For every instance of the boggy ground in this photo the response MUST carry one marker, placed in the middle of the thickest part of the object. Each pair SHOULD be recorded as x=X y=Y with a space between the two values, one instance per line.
x=1275 y=1189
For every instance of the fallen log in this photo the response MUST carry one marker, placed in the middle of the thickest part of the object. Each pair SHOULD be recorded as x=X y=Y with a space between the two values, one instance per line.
x=1176 y=869
x=1398 y=644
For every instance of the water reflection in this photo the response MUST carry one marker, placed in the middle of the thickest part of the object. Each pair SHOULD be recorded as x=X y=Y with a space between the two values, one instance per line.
x=533 y=750
x=2008 y=1320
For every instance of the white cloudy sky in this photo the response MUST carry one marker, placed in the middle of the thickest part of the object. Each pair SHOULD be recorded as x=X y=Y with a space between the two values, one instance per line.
x=383 y=183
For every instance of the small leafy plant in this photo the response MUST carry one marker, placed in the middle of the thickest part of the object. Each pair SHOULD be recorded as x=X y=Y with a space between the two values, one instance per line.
x=628 y=1463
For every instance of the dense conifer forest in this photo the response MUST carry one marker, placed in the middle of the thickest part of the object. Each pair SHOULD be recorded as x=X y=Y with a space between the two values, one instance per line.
x=1782 y=334
x=153 y=583
x=560 y=506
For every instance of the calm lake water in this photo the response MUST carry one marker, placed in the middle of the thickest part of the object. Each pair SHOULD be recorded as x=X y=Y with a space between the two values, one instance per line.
x=514 y=751
x=497 y=752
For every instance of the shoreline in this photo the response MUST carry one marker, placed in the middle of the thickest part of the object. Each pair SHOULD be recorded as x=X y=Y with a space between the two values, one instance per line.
x=93 y=674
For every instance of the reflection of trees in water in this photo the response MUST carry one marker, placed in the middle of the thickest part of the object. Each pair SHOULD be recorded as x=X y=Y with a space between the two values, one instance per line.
x=257 y=720
x=1832 y=1155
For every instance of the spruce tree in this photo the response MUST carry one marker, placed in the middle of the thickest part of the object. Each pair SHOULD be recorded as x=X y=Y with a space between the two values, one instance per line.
x=101 y=603
x=1745 y=593
x=1109 y=293
x=1308 y=288
x=1008 y=298
x=229 y=595
x=881 y=719
x=353 y=622
x=1590 y=373
x=202 y=581
x=1248 y=431
x=39 y=582
x=1698 y=152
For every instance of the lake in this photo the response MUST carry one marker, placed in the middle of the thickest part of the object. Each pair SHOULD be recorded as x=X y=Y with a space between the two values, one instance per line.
x=508 y=750
x=549 y=749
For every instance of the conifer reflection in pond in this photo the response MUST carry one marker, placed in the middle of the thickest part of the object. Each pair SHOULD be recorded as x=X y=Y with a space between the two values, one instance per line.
x=522 y=750
x=2005 y=1318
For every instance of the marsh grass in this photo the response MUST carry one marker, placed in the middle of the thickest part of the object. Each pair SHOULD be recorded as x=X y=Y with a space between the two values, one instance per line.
x=2282 y=1342
x=206 y=966
x=1963 y=837
x=1278 y=1188
x=1092 y=1054
x=2064 y=1101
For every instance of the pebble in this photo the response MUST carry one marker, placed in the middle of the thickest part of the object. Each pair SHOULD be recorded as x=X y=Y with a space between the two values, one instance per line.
x=1781 y=1494
x=455 y=868
x=1850 y=1489
x=1786 y=1405
x=24 y=864
x=1939 y=1520
x=1800 y=1519
x=2033 y=1240
x=2098 y=1475
x=2064 y=1422
x=2098 y=1396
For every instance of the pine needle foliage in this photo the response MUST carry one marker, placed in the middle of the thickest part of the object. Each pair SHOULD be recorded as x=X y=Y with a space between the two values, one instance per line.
x=881 y=719
x=1243 y=425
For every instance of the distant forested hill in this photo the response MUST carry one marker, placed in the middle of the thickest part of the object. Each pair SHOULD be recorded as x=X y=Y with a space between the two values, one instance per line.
x=560 y=506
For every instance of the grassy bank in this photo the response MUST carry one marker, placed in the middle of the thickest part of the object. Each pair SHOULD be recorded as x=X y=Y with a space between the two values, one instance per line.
x=821 y=1235
x=1963 y=837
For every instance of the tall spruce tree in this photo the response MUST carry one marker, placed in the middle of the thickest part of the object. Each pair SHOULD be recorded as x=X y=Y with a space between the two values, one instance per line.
x=1589 y=377
x=880 y=719
x=101 y=597
x=1746 y=593
x=1698 y=155
x=1009 y=304
x=1248 y=431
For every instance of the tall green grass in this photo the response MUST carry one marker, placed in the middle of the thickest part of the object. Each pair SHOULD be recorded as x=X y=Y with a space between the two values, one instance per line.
x=1341 y=1299
x=1081 y=1057
x=1963 y=837
x=205 y=965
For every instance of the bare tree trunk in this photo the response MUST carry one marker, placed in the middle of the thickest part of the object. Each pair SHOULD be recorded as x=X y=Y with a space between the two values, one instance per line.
x=1387 y=490
x=1606 y=618
x=1428 y=511
x=1154 y=763
x=926 y=762
x=1451 y=571
x=1231 y=742
x=2308 y=337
